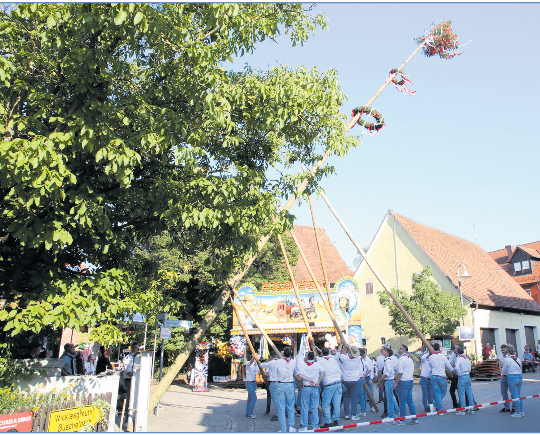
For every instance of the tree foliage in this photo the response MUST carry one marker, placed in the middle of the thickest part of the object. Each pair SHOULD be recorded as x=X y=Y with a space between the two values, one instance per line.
x=433 y=311
x=119 y=122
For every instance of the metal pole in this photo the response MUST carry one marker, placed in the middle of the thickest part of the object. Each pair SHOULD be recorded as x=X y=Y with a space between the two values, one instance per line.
x=161 y=362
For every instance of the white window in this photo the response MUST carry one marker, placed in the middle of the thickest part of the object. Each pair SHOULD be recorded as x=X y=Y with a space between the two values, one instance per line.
x=368 y=288
x=528 y=290
x=364 y=342
x=383 y=340
x=517 y=267
x=526 y=265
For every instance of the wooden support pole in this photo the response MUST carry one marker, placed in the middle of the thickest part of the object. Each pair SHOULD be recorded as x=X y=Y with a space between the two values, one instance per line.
x=385 y=286
x=265 y=335
x=249 y=344
x=297 y=293
x=325 y=275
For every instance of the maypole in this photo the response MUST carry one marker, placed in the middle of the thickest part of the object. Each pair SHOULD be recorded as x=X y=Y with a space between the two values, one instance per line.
x=439 y=40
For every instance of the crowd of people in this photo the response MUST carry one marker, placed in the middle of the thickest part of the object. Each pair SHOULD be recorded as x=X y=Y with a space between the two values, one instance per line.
x=328 y=378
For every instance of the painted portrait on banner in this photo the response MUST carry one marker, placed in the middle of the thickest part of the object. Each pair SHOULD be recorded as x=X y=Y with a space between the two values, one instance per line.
x=346 y=300
x=355 y=335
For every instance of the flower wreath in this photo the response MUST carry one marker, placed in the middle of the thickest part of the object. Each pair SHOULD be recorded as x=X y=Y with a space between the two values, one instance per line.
x=395 y=80
x=371 y=126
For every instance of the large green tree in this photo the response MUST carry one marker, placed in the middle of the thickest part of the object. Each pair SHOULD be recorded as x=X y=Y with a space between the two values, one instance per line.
x=119 y=121
x=433 y=311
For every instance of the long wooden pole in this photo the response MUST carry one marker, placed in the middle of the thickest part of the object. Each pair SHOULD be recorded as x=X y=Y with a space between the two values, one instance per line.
x=199 y=333
x=297 y=293
x=383 y=283
x=265 y=335
x=249 y=344
x=319 y=247
x=325 y=301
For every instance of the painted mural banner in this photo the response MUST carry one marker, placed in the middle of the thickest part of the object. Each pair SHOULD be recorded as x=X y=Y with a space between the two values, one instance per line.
x=276 y=308
x=73 y=419
x=18 y=422
x=201 y=366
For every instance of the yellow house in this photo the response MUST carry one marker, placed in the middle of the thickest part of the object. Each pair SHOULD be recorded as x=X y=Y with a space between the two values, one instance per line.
x=498 y=309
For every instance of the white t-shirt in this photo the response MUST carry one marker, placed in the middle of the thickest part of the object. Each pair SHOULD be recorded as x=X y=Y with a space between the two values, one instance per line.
x=425 y=371
x=379 y=362
x=368 y=366
x=511 y=366
x=390 y=364
x=351 y=369
x=331 y=367
x=271 y=369
x=463 y=365
x=251 y=371
x=438 y=362
x=311 y=370
x=405 y=366
x=285 y=368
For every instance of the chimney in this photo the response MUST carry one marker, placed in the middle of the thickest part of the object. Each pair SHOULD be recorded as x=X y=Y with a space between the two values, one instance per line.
x=510 y=249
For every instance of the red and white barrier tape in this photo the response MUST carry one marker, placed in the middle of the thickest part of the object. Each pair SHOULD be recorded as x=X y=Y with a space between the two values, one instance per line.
x=427 y=414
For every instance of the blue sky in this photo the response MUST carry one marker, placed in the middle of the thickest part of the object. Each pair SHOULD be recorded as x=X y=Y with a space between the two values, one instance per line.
x=463 y=151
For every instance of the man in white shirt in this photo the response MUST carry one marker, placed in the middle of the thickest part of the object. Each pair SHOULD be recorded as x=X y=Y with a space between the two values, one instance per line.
x=127 y=374
x=513 y=368
x=463 y=371
x=285 y=390
x=271 y=371
x=425 y=381
x=252 y=369
x=367 y=367
x=439 y=364
x=379 y=365
x=350 y=374
x=311 y=373
x=404 y=383
x=332 y=390
x=504 y=379
x=390 y=363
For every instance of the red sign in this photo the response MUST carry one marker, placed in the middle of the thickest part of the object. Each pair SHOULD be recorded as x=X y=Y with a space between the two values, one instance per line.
x=20 y=422
x=286 y=286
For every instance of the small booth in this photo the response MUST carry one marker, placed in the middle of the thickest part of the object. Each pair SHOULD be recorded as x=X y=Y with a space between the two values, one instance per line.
x=276 y=309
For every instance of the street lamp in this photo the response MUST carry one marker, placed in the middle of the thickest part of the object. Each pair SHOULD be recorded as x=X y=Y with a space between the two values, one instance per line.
x=464 y=275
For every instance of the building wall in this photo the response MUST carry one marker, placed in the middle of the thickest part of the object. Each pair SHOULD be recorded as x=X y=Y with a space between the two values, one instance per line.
x=410 y=259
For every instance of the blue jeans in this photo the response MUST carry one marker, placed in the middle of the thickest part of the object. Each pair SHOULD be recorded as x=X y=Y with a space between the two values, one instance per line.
x=390 y=399
x=310 y=401
x=514 y=384
x=251 y=388
x=350 y=397
x=363 y=394
x=298 y=401
x=504 y=391
x=331 y=394
x=285 y=400
x=427 y=392
x=404 y=392
x=273 y=391
x=464 y=386
x=439 y=388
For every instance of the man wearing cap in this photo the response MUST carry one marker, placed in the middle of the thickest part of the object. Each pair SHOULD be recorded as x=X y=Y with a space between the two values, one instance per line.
x=332 y=391
x=390 y=363
x=367 y=368
x=404 y=384
x=439 y=364
x=351 y=370
x=463 y=372
x=311 y=373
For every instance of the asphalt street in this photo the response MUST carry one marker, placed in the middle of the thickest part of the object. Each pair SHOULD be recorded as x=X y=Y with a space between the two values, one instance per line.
x=223 y=410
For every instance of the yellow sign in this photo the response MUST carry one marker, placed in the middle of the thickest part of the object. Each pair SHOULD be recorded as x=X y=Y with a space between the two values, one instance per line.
x=73 y=419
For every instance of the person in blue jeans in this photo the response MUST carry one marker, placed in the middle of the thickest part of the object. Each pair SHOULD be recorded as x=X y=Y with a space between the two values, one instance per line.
x=252 y=369
x=439 y=365
x=285 y=390
x=513 y=368
x=350 y=373
x=404 y=383
x=462 y=366
x=311 y=373
x=390 y=363
x=367 y=365
x=504 y=380
x=428 y=395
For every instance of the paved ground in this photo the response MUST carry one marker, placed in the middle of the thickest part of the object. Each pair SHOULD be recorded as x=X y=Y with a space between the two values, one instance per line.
x=223 y=410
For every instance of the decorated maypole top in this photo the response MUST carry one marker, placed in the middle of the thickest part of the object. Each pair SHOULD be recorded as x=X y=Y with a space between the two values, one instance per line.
x=440 y=40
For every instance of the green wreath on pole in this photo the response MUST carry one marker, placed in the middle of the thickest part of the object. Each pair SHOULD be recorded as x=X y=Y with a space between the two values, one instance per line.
x=371 y=126
x=395 y=80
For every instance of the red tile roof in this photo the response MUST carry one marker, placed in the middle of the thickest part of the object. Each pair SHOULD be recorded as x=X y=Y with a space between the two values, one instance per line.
x=489 y=286
x=533 y=249
x=334 y=264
